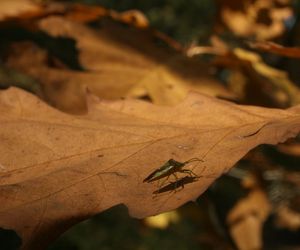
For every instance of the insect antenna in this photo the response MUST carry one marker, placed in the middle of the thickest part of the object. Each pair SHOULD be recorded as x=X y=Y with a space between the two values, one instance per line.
x=193 y=159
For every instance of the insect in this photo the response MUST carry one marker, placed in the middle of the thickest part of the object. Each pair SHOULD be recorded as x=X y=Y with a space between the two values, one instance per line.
x=171 y=167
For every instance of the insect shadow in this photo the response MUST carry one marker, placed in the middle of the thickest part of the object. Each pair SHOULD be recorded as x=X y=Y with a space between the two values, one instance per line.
x=174 y=186
x=170 y=168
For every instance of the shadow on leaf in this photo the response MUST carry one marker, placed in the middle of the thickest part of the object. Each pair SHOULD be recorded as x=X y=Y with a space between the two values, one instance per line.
x=173 y=186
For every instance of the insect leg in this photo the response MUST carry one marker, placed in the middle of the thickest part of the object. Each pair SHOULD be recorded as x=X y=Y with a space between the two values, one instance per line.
x=176 y=177
x=158 y=184
x=176 y=180
x=189 y=172
x=163 y=183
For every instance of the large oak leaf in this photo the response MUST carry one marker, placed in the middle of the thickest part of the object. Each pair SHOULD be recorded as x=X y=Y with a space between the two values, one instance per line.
x=57 y=169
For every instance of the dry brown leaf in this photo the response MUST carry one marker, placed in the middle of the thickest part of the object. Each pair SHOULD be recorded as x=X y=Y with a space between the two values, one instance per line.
x=291 y=149
x=133 y=17
x=22 y=10
x=217 y=47
x=15 y=8
x=165 y=76
x=251 y=79
x=263 y=19
x=84 y=13
x=279 y=78
x=58 y=169
x=246 y=220
x=265 y=85
x=276 y=48
x=287 y=218
x=119 y=61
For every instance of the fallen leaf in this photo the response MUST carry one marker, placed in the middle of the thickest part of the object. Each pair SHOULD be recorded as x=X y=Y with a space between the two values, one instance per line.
x=290 y=149
x=133 y=17
x=287 y=218
x=262 y=19
x=118 y=62
x=278 y=78
x=247 y=218
x=275 y=48
x=21 y=10
x=250 y=78
x=84 y=13
x=15 y=8
x=61 y=168
x=265 y=85
x=164 y=75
